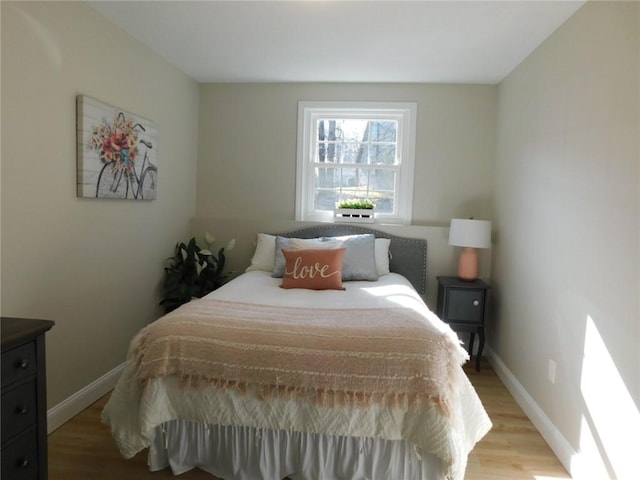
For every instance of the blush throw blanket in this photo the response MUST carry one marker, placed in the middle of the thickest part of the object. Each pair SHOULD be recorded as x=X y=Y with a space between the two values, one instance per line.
x=392 y=356
x=380 y=367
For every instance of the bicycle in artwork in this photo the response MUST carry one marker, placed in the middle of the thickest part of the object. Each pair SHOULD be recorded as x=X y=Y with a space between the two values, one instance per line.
x=118 y=145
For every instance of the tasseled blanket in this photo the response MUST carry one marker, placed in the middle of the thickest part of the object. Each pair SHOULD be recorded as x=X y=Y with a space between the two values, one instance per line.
x=392 y=356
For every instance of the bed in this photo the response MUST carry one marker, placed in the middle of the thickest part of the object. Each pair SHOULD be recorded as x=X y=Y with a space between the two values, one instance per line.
x=321 y=361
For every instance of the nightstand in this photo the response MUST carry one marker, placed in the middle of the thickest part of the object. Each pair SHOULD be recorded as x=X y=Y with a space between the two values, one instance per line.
x=463 y=305
x=24 y=399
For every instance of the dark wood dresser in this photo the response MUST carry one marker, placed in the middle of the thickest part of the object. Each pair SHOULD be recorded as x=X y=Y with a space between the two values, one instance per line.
x=24 y=399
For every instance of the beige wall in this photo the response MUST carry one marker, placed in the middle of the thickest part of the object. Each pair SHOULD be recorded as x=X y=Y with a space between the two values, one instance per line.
x=247 y=159
x=247 y=154
x=566 y=260
x=92 y=266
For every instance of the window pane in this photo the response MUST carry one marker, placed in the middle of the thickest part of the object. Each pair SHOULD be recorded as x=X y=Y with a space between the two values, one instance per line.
x=382 y=154
x=326 y=189
x=355 y=182
x=383 y=180
x=385 y=204
x=353 y=153
x=327 y=178
x=343 y=130
x=383 y=183
x=325 y=199
x=383 y=131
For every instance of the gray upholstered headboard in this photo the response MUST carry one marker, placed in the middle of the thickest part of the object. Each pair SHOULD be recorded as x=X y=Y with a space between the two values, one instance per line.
x=408 y=255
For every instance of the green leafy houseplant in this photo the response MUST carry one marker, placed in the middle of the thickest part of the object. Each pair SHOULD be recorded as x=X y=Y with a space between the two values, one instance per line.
x=362 y=204
x=193 y=272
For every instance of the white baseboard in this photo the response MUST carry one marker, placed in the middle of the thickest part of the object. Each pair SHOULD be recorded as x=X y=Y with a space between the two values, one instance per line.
x=70 y=407
x=558 y=443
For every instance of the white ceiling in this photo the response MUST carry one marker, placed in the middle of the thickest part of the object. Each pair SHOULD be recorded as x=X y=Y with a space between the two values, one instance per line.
x=342 y=41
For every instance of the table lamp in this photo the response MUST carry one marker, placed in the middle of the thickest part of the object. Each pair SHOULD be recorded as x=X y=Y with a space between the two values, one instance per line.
x=470 y=234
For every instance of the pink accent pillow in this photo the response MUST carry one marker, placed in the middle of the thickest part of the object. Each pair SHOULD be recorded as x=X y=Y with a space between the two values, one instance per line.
x=313 y=268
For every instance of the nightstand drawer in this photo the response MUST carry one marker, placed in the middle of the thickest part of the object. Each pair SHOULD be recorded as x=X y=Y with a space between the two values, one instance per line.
x=18 y=410
x=20 y=457
x=18 y=363
x=465 y=305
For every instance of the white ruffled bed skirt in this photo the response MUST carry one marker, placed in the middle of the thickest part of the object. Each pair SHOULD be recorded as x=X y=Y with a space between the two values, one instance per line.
x=246 y=453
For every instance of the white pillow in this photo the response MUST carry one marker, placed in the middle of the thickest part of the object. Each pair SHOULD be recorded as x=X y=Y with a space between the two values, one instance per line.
x=382 y=255
x=265 y=254
x=284 y=243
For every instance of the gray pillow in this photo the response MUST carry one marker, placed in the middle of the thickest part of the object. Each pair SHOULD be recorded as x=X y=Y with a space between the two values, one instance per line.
x=359 y=261
x=279 y=262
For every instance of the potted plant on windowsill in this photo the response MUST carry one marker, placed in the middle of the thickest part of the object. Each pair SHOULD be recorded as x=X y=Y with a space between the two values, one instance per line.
x=357 y=211
x=193 y=272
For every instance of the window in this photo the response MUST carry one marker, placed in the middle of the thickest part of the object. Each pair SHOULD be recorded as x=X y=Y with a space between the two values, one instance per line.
x=350 y=151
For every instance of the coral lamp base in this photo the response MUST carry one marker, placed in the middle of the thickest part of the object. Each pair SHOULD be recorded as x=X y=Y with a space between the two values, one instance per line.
x=468 y=264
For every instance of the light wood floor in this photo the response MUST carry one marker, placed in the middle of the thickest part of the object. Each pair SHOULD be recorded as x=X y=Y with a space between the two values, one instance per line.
x=82 y=449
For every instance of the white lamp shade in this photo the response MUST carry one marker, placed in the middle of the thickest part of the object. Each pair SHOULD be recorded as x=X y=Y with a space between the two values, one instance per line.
x=470 y=233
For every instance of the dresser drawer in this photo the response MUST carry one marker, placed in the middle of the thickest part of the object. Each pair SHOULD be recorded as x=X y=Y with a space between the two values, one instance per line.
x=18 y=363
x=18 y=409
x=24 y=399
x=20 y=457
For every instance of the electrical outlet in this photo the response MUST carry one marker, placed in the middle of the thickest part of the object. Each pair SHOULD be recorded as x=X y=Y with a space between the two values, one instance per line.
x=551 y=371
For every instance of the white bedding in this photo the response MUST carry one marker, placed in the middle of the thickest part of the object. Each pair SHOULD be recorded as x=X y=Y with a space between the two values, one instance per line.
x=134 y=413
x=260 y=288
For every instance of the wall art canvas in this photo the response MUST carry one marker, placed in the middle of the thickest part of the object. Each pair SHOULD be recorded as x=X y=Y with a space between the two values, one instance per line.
x=116 y=152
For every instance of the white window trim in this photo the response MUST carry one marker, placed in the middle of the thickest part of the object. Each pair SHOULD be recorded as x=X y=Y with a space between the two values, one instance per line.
x=406 y=113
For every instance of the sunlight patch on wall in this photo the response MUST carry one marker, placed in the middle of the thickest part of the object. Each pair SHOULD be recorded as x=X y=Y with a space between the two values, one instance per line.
x=611 y=418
